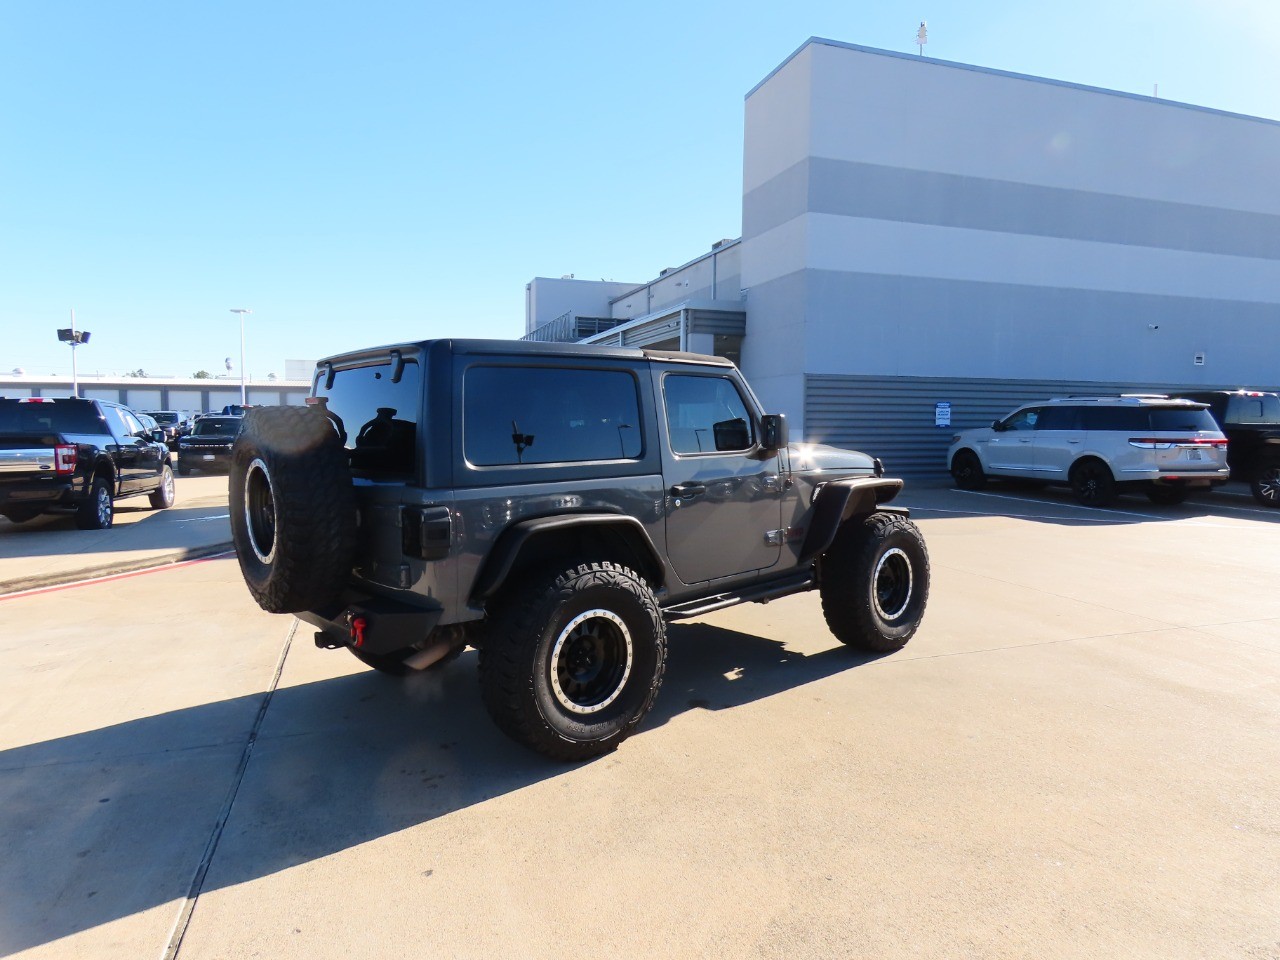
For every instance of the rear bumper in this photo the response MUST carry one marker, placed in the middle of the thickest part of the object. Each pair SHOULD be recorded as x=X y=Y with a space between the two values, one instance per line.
x=41 y=493
x=388 y=625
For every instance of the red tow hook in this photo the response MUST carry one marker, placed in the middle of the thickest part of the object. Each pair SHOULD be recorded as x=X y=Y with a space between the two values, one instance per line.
x=358 y=625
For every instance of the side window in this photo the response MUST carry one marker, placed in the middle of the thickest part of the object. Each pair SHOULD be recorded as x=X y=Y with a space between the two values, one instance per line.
x=1023 y=420
x=1115 y=418
x=1058 y=418
x=531 y=415
x=379 y=417
x=116 y=421
x=706 y=415
x=135 y=425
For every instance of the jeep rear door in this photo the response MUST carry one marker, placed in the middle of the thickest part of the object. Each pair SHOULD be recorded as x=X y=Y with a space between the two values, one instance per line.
x=724 y=504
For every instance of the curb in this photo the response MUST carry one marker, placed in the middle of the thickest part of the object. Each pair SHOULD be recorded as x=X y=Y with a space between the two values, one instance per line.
x=112 y=569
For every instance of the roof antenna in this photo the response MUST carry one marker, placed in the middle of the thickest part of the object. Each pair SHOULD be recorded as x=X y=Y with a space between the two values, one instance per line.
x=922 y=36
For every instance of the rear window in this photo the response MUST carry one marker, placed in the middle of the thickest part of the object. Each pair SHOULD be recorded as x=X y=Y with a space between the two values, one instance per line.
x=59 y=416
x=1264 y=409
x=530 y=415
x=1166 y=418
x=378 y=416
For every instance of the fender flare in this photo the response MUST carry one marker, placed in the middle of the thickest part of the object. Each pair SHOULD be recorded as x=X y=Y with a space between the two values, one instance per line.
x=513 y=540
x=836 y=501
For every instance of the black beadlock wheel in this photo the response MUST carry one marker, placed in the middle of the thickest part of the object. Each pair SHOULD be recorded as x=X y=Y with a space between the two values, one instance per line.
x=967 y=472
x=874 y=583
x=572 y=663
x=293 y=514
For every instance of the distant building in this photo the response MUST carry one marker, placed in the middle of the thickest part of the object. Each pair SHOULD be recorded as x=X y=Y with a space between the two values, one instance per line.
x=186 y=394
x=916 y=232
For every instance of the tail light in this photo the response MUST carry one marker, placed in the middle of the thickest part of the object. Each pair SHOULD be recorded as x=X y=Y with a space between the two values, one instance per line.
x=1164 y=443
x=64 y=459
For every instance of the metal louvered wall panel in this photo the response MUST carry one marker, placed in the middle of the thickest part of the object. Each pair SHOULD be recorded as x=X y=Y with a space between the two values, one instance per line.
x=893 y=417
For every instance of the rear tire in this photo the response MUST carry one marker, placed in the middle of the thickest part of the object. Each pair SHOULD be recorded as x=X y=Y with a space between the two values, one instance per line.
x=874 y=583
x=966 y=470
x=293 y=511
x=1093 y=484
x=162 y=497
x=572 y=663
x=96 y=512
x=1266 y=485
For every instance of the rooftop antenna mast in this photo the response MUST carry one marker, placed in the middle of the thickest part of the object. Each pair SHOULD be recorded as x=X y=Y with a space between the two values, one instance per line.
x=922 y=37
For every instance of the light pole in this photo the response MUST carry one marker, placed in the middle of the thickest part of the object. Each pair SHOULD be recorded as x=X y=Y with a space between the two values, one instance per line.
x=73 y=338
x=243 y=391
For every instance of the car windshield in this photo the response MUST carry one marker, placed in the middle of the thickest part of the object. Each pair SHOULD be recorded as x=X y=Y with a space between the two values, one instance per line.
x=163 y=417
x=218 y=427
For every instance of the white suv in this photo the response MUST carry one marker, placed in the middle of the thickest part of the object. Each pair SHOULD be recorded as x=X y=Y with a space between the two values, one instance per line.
x=1100 y=446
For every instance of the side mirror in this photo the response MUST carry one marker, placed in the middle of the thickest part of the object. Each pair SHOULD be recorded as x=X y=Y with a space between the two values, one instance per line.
x=773 y=431
x=157 y=436
x=995 y=425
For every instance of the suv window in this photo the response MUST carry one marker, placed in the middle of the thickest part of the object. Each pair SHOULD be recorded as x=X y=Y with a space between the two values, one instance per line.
x=1114 y=418
x=379 y=418
x=1182 y=420
x=1264 y=409
x=1059 y=418
x=530 y=415
x=1022 y=420
x=117 y=422
x=706 y=414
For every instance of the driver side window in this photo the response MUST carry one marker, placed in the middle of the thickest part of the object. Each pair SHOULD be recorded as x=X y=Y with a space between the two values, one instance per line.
x=1023 y=420
x=706 y=415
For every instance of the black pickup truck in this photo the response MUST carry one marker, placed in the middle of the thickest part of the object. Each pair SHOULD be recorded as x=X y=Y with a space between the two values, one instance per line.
x=1251 y=421
x=67 y=455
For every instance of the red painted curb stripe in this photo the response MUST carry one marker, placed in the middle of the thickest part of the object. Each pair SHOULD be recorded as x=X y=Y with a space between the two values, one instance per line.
x=108 y=578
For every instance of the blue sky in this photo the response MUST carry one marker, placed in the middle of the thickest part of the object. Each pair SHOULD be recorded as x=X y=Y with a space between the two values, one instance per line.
x=365 y=173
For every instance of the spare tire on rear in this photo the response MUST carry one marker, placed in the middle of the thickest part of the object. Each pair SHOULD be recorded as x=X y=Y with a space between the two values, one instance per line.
x=293 y=511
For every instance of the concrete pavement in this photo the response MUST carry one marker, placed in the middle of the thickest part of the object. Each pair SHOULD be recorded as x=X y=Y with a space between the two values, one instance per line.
x=1077 y=756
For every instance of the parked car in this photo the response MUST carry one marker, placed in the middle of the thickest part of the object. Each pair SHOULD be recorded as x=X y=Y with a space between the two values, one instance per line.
x=1099 y=446
x=1250 y=419
x=555 y=505
x=208 y=446
x=173 y=423
x=67 y=455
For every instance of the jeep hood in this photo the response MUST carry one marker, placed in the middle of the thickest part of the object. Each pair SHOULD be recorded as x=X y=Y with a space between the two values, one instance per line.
x=821 y=458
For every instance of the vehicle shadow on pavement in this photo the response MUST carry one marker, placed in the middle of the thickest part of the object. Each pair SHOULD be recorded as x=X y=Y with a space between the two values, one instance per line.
x=103 y=825
x=57 y=534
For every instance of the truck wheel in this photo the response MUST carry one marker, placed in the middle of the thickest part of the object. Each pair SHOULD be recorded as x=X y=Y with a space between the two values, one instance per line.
x=293 y=513
x=162 y=496
x=875 y=583
x=1266 y=486
x=571 y=664
x=97 y=511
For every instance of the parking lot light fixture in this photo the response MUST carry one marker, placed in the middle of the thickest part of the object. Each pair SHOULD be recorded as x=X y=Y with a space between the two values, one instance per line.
x=243 y=390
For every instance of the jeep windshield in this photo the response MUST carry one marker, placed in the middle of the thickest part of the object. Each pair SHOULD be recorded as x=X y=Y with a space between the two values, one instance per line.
x=217 y=427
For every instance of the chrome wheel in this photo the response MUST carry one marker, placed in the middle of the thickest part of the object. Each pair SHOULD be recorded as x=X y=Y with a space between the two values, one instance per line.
x=1266 y=489
x=104 y=507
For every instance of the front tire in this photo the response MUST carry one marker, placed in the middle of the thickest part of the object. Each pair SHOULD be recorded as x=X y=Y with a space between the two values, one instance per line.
x=162 y=497
x=97 y=512
x=573 y=663
x=874 y=583
x=1093 y=484
x=1266 y=486
x=967 y=472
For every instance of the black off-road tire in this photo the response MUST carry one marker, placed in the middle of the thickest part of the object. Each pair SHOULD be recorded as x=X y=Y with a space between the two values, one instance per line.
x=1167 y=496
x=874 y=583
x=1092 y=483
x=392 y=664
x=572 y=663
x=96 y=511
x=967 y=472
x=1265 y=485
x=163 y=496
x=293 y=509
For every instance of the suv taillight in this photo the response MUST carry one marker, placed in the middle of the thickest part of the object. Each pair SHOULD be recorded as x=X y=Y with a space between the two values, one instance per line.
x=64 y=459
x=1164 y=443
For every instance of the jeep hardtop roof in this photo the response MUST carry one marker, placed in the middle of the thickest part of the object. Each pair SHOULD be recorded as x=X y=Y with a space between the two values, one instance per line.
x=529 y=348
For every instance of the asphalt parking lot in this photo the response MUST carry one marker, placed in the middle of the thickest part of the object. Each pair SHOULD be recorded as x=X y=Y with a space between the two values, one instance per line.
x=1077 y=756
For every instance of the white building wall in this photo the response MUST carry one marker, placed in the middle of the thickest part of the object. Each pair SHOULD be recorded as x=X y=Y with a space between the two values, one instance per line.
x=904 y=217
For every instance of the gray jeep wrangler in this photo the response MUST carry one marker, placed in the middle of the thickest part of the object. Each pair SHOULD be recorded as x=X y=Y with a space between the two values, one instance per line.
x=554 y=506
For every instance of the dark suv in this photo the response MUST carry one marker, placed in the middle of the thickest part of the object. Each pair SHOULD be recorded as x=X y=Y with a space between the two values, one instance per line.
x=554 y=506
x=1251 y=421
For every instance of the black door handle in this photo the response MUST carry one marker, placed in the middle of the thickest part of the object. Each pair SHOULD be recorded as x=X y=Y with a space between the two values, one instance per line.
x=688 y=489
